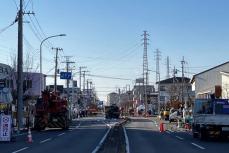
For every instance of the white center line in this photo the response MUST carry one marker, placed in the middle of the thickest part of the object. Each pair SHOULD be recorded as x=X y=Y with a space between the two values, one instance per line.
x=20 y=149
x=45 y=140
x=198 y=146
x=179 y=137
x=101 y=142
x=61 y=134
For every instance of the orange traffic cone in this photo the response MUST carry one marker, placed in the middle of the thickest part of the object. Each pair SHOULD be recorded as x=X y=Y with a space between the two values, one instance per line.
x=161 y=127
x=30 y=139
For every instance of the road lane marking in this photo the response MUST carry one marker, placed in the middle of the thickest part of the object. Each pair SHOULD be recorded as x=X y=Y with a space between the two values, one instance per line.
x=45 y=140
x=168 y=132
x=20 y=149
x=16 y=135
x=60 y=134
x=127 y=141
x=198 y=146
x=171 y=131
x=179 y=137
x=101 y=141
x=78 y=125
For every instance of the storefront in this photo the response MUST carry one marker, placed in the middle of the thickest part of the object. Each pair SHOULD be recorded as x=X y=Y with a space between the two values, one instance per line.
x=5 y=102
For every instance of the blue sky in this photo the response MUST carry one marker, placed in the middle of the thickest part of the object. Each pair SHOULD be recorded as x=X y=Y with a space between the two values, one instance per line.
x=106 y=37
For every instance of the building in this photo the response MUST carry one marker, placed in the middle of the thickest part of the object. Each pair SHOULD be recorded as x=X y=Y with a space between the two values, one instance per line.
x=175 y=90
x=113 y=98
x=205 y=83
x=139 y=93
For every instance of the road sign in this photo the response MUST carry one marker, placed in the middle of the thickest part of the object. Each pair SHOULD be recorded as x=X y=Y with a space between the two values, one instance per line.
x=5 y=127
x=65 y=75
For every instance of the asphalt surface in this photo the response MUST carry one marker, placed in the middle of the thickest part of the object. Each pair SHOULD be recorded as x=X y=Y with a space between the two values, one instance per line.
x=144 y=137
x=83 y=136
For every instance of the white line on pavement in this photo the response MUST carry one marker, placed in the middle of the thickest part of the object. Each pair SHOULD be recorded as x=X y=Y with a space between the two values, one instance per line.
x=60 y=134
x=171 y=131
x=179 y=137
x=168 y=132
x=16 y=135
x=45 y=140
x=101 y=141
x=127 y=141
x=20 y=149
x=197 y=145
x=78 y=125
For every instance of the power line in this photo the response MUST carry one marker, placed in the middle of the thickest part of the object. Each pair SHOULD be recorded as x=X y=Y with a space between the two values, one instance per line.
x=15 y=4
x=108 y=77
x=42 y=31
x=7 y=27
x=27 y=3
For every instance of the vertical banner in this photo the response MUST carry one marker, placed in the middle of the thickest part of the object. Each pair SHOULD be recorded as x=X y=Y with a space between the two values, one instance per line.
x=5 y=127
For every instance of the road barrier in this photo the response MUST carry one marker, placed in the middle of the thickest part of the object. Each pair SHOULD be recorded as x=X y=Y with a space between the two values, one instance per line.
x=161 y=127
x=30 y=139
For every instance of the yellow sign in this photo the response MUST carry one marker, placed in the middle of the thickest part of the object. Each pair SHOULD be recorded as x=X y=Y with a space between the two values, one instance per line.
x=3 y=106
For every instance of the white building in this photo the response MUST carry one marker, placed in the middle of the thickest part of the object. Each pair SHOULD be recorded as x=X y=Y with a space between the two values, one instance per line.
x=204 y=83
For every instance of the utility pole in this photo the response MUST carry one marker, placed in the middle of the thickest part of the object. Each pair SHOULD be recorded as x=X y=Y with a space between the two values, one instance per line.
x=158 y=58
x=20 y=77
x=67 y=61
x=182 y=86
x=87 y=90
x=145 y=69
x=80 y=69
x=20 y=67
x=56 y=64
x=84 y=84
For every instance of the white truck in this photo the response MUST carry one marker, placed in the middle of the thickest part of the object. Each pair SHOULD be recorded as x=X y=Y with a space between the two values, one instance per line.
x=210 y=118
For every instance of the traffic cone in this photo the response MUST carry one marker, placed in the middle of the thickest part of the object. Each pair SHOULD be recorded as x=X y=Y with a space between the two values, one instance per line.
x=30 y=139
x=161 y=127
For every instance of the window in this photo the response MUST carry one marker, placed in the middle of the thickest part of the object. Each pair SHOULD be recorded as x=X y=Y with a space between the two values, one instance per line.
x=27 y=84
x=162 y=88
x=162 y=98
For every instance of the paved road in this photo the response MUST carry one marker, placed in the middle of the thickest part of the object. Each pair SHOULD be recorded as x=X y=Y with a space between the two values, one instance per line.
x=144 y=137
x=82 y=137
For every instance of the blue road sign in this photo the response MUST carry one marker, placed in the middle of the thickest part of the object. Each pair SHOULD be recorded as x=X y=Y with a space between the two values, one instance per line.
x=65 y=75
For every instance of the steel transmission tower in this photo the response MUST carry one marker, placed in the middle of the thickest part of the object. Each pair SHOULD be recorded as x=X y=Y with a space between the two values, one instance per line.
x=145 y=69
x=158 y=58
x=168 y=69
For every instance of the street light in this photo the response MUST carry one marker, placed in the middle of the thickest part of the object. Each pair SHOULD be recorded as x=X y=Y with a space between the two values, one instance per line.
x=60 y=35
